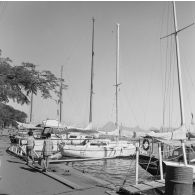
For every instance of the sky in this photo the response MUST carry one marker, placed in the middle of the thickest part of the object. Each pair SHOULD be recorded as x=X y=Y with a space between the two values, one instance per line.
x=54 y=34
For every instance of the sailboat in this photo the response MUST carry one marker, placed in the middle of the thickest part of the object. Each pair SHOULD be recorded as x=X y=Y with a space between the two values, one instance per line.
x=99 y=148
x=184 y=154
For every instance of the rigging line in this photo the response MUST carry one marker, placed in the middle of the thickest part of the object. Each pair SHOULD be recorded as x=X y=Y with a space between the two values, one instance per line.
x=167 y=75
x=166 y=66
x=130 y=106
x=161 y=64
x=187 y=91
x=148 y=94
x=124 y=181
x=112 y=110
x=4 y=6
x=171 y=82
x=125 y=95
x=168 y=83
x=165 y=80
x=75 y=47
x=163 y=16
x=188 y=72
x=188 y=79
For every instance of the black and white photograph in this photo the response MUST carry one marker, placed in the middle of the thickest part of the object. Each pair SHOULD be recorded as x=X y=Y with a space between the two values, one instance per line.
x=97 y=97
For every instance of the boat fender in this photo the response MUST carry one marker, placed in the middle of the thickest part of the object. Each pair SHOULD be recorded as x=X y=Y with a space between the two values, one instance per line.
x=146 y=144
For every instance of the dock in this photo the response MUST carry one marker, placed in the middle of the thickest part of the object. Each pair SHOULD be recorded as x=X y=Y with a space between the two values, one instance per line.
x=17 y=178
x=133 y=189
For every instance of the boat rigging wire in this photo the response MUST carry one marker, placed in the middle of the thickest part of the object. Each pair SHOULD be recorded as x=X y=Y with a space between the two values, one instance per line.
x=166 y=67
x=3 y=6
x=161 y=57
x=128 y=172
x=190 y=80
x=168 y=86
x=171 y=83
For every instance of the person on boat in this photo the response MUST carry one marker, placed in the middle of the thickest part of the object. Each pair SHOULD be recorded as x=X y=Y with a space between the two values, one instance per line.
x=47 y=150
x=30 y=147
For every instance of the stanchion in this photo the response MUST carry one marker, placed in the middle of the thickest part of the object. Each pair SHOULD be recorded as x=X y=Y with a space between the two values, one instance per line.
x=137 y=163
x=160 y=161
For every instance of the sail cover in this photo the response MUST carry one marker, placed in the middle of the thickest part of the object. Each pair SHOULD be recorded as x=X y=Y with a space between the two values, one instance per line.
x=177 y=134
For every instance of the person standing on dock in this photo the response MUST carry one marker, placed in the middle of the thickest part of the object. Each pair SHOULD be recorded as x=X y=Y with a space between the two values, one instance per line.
x=47 y=150
x=30 y=147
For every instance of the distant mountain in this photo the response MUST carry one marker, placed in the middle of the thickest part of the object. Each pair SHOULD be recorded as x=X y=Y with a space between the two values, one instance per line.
x=110 y=126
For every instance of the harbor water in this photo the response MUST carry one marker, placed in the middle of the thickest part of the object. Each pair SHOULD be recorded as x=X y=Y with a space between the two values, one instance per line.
x=117 y=171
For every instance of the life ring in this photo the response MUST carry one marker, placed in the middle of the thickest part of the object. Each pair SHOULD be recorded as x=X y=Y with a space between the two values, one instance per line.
x=146 y=144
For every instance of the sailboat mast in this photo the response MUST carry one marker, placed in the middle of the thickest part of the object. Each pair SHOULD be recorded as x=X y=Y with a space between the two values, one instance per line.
x=117 y=72
x=61 y=80
x=92 y=74
x=178 y=67
x=31 y=99
x=31 y=106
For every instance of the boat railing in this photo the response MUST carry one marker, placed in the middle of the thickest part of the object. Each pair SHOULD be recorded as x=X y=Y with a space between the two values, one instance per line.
x=19 y=149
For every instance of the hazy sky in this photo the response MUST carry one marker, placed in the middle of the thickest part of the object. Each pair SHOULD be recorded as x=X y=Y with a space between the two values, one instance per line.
x=52 y=34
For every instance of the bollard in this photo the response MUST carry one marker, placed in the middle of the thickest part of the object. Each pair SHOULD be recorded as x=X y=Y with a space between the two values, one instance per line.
x=178 y=180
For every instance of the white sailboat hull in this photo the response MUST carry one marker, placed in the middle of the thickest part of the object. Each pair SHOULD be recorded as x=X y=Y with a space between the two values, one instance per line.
x=95 y=151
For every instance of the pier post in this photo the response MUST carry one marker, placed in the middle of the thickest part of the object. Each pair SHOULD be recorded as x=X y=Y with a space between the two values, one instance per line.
x=137 y=163
x=160 y=161
x=184 y=152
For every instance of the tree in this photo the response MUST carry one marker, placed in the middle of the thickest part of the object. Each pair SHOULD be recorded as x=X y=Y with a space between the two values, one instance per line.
x=18 y=82
x=9 y=116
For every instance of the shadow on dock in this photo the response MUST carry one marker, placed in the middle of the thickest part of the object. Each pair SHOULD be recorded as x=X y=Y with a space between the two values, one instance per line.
x=30 y=169
x=11 y=161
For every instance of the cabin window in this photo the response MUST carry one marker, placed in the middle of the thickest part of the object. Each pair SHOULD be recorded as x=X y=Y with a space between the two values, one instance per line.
x=47 y=130
x=73 y=136
x=98 y=144
x=88 y=137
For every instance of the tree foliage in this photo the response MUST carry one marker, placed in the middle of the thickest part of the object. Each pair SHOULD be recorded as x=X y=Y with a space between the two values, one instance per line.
x=18 y=82
x=9 y=116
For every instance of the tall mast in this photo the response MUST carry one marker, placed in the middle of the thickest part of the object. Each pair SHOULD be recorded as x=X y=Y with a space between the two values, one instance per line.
x=31 y=100
x=31 y=106
x=178 y=67
x=61 y=80
x=117 y=73
x=92 y=74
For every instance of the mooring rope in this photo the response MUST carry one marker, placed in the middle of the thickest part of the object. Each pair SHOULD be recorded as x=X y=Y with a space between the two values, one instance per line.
x=130 y=168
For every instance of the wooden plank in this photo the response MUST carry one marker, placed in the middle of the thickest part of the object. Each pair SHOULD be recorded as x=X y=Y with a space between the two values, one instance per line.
x=58 y=178
x=111 y=192
x=131 y=188
x=78 y=160
x=128 y=190
x=143 y=186
x=154 y=184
